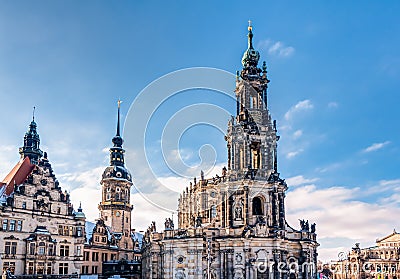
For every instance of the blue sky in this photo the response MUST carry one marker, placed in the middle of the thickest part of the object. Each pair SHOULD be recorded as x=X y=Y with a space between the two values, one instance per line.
x=334 y=71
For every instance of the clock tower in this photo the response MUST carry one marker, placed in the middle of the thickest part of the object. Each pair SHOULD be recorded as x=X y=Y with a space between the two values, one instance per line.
x=115 y=208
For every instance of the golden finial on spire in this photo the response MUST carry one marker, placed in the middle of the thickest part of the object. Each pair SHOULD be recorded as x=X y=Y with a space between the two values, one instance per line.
x=119 y=103
x=250 y=26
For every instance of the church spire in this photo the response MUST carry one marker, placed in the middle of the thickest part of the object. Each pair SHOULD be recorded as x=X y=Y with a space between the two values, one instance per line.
x=31 y=146
x=117 y=152
x=118 y=126
x=117 y=169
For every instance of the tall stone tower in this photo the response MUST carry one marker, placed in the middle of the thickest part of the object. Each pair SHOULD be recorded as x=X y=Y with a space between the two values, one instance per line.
x=115 y=208
x=251 y=139
x=233 y=225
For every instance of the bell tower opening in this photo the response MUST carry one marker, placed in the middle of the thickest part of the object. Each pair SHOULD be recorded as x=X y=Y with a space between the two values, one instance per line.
x=257 y=206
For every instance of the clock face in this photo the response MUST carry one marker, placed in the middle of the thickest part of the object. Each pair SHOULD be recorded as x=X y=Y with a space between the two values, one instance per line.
x=43 y=182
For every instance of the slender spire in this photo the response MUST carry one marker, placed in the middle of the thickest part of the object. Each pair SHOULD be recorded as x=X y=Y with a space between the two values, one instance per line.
x=118 y=123
x=33 y=114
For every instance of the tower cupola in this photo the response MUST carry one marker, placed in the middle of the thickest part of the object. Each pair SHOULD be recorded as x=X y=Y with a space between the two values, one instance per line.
x=117 y=159
x=31 y=146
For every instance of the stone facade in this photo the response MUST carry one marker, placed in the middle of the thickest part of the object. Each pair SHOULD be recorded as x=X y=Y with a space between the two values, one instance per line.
x=40 y=233
x=379 y=262
x=233 y=225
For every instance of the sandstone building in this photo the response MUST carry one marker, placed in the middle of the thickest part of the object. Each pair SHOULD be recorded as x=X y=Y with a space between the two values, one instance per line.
x=381 y=261
x=41 y=233
x=233 y=225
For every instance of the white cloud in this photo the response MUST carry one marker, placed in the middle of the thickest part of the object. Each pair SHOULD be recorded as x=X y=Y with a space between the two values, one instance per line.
x=300 y=106
x=333 y=105
x=277 y=48
x=297 y=134
x=293 y=154
x=85 y=188
x=9 y=157
x=299 y=180
x=340 y=215
x=375 y=146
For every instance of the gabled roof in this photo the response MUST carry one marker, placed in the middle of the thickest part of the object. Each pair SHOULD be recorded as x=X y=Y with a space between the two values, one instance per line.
x=395 y=236
x=17 y=175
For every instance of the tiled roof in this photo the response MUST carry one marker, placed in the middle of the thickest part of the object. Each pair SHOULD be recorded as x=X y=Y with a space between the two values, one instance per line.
x=17 y=175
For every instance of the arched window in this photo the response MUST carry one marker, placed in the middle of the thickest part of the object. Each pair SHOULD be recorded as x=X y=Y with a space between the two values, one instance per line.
x=257 y=206
x=213 y=211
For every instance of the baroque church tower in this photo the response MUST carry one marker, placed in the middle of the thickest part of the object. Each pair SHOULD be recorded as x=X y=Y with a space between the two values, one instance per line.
x=233 y=225
x=115 y=208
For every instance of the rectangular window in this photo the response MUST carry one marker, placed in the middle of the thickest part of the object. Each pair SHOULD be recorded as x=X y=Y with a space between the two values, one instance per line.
x=19 y=225
x=41 y=250
x=13 y=248
x=66 y=230
x=60 y=230
x=23 y=205
x=12 y=225
x=50 y=251
x=78 y=250
x=32 y=248
x=96 y=238
x=48 y=269
x=95 y=256
x=94 y=269
x=85 y=269
x=104 y=257
x=40 y=268
x=86 y=256
x=5 y=224
x=7 y=248
x=10 y=248
x=104 y=239
x=113 y=257
x=63 y=268
x=79 y=231
x=64 y=250
x=30 y=268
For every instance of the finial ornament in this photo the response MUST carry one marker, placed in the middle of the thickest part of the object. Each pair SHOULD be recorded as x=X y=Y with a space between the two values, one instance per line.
x=250 y=26
x=33 y=113
x=119 y=103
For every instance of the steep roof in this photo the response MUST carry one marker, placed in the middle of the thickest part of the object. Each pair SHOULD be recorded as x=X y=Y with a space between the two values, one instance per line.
x=16 y=176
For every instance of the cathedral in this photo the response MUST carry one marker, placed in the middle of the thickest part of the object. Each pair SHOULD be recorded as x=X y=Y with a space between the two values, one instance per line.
x=42 y=234
x=233 y=225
